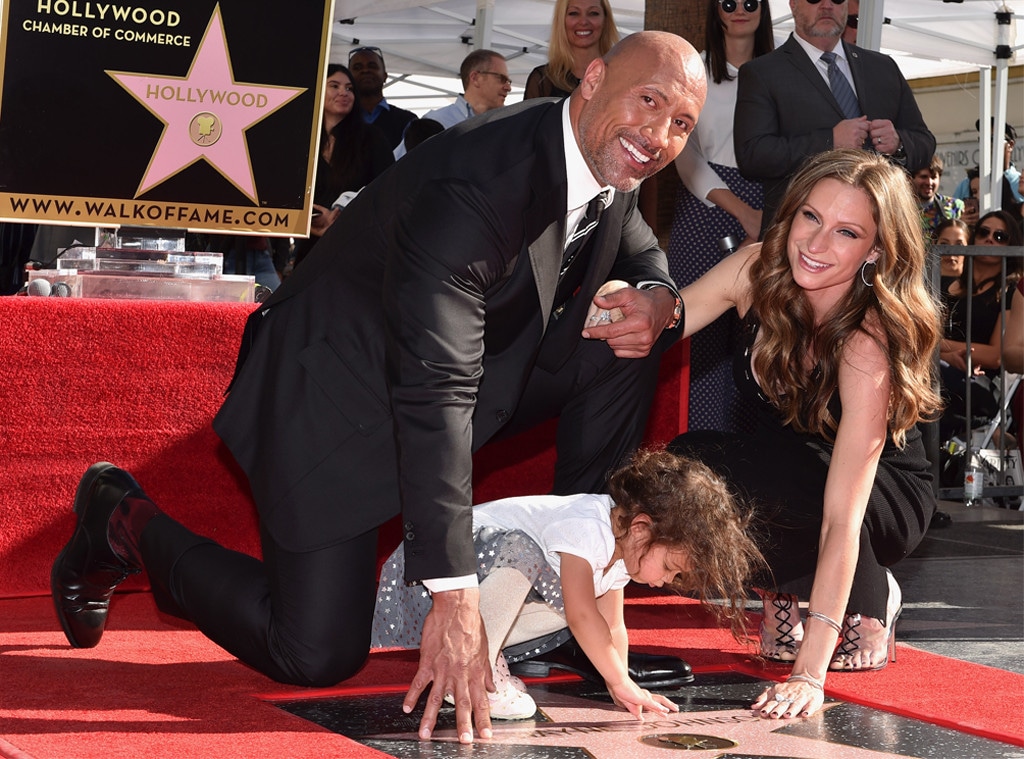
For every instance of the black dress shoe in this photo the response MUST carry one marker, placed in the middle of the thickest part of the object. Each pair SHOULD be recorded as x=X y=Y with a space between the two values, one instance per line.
x=940 y=519
x=646 y=670
x=87 y=570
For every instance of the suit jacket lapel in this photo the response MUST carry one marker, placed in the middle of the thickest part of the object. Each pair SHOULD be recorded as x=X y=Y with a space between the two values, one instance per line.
x=546 y=251
x=860 y=76
x=549 y=186
x=802 y=63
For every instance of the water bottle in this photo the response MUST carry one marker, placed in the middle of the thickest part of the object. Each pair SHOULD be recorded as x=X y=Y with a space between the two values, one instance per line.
x=974 y=479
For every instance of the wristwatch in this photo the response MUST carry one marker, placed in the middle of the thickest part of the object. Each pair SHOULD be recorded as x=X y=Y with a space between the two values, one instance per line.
x=677 y=310
x=900 y=154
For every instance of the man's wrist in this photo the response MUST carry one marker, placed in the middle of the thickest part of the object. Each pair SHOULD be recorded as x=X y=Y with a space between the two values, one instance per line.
x=677 y=308
x=899 y=154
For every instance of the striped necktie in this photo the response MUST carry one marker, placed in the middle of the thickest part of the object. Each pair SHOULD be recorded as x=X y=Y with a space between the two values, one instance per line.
x=570 y=276
x=841 y=89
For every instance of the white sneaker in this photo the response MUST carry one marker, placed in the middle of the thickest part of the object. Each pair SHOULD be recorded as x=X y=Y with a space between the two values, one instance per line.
x=511 y=703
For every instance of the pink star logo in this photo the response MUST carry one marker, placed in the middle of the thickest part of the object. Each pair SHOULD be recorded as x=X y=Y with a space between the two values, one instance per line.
x=205 y=113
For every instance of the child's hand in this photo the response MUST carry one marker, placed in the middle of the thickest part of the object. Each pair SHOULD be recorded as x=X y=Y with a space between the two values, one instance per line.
x=635 y=699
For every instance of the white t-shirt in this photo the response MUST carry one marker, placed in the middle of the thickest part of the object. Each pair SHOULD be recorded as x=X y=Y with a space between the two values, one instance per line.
x=578 y=524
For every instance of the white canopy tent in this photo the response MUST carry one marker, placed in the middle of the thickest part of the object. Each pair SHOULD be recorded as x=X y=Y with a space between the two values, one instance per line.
x=424 y=41
x=430 y=37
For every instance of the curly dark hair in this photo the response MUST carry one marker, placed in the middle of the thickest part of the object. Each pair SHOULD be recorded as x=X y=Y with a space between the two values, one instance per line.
x=691 y=509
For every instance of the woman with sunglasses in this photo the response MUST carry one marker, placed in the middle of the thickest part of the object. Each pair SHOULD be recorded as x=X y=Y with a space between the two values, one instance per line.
x=716 y=202
x=581 y=31
x=989 y=298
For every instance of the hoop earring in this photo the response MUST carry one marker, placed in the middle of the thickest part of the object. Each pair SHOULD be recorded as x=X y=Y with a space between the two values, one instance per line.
x=864 y=279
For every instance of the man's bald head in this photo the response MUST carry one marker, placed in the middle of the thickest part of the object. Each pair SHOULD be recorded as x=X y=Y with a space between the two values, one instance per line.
x=636 y=107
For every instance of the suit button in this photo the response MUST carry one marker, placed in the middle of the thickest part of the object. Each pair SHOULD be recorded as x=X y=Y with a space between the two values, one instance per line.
x=502 y=416
x=407 y=526
x=410 y=535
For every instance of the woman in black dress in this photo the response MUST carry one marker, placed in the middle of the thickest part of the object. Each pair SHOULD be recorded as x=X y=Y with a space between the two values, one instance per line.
x=841 y=331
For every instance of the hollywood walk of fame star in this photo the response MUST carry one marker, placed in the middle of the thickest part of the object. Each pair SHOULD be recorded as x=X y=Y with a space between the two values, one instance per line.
x=205 y=113
x=608 y=732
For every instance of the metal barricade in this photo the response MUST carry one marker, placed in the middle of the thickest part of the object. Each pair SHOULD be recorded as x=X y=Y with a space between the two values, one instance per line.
x=1005 y=491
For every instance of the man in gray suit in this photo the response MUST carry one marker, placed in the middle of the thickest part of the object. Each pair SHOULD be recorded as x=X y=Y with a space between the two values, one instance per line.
x=796 y=102
x=448 y=303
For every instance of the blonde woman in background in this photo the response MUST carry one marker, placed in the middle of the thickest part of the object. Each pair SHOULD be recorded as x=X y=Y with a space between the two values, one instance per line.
x=581 y=30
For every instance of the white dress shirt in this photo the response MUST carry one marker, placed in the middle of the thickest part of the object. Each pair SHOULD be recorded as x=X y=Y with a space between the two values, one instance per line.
x=815 y=55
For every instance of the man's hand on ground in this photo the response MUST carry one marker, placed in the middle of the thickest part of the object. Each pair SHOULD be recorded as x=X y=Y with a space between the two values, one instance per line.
x=453 y=656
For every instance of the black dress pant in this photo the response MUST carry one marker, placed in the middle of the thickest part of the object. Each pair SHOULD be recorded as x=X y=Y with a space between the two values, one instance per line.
x=305 y=618
x=602 y=404
x=785 y=484
x=299 y=618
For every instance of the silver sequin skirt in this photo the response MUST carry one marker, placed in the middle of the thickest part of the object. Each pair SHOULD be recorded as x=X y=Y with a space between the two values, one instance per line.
x=401 y=608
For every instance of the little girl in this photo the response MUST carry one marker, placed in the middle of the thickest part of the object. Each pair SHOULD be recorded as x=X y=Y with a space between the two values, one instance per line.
x=668 y=521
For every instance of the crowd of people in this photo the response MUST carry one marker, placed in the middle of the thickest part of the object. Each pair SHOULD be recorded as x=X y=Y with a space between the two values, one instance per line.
x=493 y=272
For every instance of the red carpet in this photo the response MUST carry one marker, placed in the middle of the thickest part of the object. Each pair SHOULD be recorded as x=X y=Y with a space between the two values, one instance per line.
x=157 y=688
x=137 y=383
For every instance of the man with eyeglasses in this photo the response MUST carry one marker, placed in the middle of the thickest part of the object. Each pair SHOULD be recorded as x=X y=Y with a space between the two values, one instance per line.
x=368 y=77
x=815 y=93
x=485 y=83
x=465 y=294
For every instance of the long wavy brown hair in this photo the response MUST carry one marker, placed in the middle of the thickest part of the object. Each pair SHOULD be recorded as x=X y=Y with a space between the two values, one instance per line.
x=691 y=509
x=903 y=315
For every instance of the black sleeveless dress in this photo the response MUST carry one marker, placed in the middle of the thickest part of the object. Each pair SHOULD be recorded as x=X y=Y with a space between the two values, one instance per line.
x=781 y=473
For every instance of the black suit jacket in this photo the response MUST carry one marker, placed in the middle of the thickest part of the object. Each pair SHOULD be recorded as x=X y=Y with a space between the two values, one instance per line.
x=392 y=122
x=785 y=113
x=404 y=340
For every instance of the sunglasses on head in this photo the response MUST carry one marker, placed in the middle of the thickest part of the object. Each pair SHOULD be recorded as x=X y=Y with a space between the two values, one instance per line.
x=998 y=235
x=355 y=51
x=834 y=2
x=729 y=6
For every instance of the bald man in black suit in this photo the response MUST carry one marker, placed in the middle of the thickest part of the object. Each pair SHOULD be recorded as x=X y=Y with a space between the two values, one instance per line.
x=444 y=307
